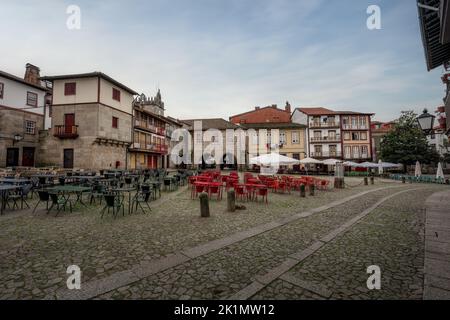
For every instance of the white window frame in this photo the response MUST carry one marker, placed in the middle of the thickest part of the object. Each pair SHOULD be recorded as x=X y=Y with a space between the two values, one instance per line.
x=30 y=127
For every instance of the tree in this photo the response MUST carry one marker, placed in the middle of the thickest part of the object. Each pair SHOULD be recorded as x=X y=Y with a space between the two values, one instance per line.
x=407 y=144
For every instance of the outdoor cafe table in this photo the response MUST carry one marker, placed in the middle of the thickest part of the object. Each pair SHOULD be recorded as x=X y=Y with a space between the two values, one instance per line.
x=4 y=189
x=129 y=190
x=66 y=190
x=16 y=181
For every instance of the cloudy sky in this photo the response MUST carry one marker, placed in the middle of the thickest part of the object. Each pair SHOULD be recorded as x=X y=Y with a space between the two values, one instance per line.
x=215 y=58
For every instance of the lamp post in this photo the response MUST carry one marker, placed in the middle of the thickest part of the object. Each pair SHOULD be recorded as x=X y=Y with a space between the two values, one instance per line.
x=426 y=122
x=17 y=138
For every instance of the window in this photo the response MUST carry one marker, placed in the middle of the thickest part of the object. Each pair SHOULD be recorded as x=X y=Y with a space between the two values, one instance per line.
x=30 y=127
x=363 y=136
x=355 y=135
x=295 y=137
x=116 y=94
x=70 y=88
x=364 y=151
x=2 y=86
x=347 y=136
x=282 y=137
x=115 y=122
x=32 y=99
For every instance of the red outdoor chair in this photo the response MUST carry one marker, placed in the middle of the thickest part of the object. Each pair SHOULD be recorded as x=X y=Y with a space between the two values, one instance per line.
x=215 y=188
x=198 y=188
x=262 y=192
x=241 y=193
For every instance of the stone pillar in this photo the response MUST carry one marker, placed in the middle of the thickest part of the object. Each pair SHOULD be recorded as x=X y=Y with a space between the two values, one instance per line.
x=302 y=191
x=204 y=205
x=372 y=180
x=366 y=181
x=403 y=180
x=231 y=200
x=339 y=183
x=311 y=190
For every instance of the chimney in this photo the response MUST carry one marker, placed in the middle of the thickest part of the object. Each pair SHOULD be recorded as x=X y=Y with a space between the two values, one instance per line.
x=274 y=106
x=32 y=74
x=287 y=108
x=256 y=108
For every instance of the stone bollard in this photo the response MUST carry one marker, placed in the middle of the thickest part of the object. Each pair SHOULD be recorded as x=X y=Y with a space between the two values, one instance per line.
x=302 y=191
x=311 y=190
x=372 y=180
x=403 y=180
x=204 y=205
x=231 y=200
x=339 y=183
x=366 y=181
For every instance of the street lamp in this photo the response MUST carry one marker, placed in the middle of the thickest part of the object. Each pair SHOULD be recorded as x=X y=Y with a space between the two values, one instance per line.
x=17 y=138
x=426 y=121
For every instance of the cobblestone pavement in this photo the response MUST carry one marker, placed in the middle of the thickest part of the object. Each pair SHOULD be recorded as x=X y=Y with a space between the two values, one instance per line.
x=391 y=237
x=35 y=250
x=220 y=274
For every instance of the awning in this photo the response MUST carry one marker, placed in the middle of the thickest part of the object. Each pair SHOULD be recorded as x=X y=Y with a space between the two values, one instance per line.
x=434 y=26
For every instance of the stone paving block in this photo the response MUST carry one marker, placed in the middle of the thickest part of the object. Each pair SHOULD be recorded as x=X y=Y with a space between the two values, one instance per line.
x=146 y=269
x=277 y=271
x=432 y=293
x=437 y=268
x=248 y=291
x=308 y=285
x=437 y=282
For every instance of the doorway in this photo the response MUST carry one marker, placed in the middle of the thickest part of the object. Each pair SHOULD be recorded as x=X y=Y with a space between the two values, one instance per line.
x=68 y=158
x=28 y=157
x=12 y=157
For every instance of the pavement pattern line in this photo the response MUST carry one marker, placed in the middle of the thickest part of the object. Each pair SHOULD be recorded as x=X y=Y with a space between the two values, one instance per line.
x=437 y=247
x=281 y=271
x=143 y=270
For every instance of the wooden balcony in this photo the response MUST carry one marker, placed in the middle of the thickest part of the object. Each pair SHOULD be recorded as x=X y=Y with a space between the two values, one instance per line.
x=156 y=148
x=326 y=139
x=327 y=154
x=316 y=124
x=65 y=132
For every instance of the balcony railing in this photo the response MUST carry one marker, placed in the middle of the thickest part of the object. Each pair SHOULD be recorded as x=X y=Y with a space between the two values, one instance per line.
x=65 y=132
x=158 y=130
x=153 y=147
x=355 y=127
x=356 y=156
x=335 y=138
x=326 y=154
x=327 y=124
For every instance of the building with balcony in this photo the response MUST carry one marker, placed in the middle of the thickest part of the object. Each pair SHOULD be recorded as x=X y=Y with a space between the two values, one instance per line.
x=434 y=18
x=151 y=134
x=335 y=134
x=91 y=122
x=24 y=112
x=292 y=141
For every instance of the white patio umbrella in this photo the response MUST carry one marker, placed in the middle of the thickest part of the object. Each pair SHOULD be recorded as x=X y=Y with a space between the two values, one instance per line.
x=439 y=172
x=272 y=159
x=418 y=170
x=350 y=164
x=331 y=162
x=380 y=167
x=310 y=161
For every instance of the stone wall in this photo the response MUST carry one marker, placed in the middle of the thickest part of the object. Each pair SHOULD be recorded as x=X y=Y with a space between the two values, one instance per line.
x=12 y=123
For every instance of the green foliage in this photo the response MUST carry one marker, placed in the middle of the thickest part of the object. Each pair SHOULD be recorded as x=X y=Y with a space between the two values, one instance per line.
x=407 y=143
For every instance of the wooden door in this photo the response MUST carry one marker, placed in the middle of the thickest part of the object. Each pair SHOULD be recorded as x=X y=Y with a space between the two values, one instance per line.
x=12 y=157
x=28 y=157
x=69 y=122
x=68 y=158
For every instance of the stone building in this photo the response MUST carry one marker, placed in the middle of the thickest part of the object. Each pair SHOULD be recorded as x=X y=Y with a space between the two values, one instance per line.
x=379 y=130
x=151 y=134
x=91 y=122
x=24 y=112
x=291 y=135
x=336 y=134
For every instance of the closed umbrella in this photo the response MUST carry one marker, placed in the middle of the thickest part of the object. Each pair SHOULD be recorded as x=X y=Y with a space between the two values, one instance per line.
x=440 y=172
x=380 y=167
x=418 y=170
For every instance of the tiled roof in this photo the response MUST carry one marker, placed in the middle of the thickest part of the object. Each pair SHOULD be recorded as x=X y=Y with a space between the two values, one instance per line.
x=316 y=111
x=213 y=123
x=17 y=79
x=272 y=125
x=90 y=75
